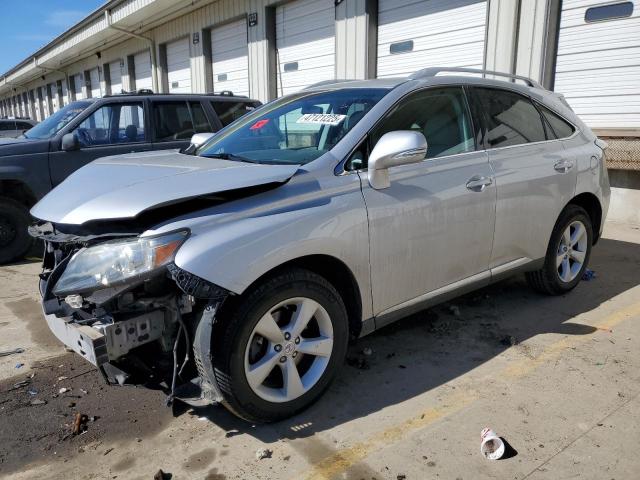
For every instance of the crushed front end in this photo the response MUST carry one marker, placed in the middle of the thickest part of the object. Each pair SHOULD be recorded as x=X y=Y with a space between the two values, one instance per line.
x=117 y=299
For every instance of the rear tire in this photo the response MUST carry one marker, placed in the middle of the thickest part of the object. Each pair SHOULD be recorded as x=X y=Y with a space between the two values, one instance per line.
x=260 y=330
x=15 y=241
x=567 y=255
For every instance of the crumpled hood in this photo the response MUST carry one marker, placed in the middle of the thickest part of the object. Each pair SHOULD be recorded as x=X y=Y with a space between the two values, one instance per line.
x=124 y=186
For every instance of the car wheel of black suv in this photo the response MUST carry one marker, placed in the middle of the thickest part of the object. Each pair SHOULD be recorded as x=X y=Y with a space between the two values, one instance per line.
x=282 y=344
x=15 y=241
x=567 y=255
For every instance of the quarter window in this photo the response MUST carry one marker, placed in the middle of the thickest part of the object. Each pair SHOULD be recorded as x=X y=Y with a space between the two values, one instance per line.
x=556 y=126
x=173 y=121
x=511 y=118
x=440 y=114
x=112 y=124
x=231 y=111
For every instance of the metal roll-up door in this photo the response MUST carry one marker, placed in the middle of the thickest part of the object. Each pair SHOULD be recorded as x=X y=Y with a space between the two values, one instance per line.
x=598 y=62
x=65 y=93
x=44 y=102
x=142 y=70
x=94 y=78
x=230 y=58
x=76 y=82
x=179 y=66
x=115 y=77
x=415 y=34
x=305 y=44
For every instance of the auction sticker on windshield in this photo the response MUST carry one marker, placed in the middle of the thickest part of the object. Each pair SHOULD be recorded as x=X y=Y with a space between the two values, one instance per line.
x=322 y=118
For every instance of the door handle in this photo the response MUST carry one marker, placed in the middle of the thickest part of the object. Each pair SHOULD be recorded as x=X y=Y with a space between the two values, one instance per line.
x=563 y=166
x=478 y=183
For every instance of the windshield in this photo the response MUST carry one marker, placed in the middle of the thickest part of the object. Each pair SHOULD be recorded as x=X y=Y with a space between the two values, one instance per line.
x=52 y=125
x=293 y=130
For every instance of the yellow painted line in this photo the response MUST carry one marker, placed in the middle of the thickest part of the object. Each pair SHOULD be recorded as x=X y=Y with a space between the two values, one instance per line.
x=340 y=461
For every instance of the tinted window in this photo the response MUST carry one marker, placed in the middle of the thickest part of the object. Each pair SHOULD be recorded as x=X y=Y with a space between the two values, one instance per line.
x=608 y=12
x=556 y=126
x=112 y=124
x=7 y=125
x=230 y=111
x=172 y=121
x=440 y=114
x=24 y=126
x=511 y=118
x=200 y=122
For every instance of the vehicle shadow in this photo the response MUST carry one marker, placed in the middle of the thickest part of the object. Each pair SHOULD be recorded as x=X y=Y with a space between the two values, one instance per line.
x=433 y=347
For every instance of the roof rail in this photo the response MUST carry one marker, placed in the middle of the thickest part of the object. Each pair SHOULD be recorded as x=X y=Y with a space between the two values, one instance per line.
x=328 y=82
x=433 y=71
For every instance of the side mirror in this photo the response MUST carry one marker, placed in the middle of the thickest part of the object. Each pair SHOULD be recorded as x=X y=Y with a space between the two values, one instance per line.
x=401 y=147
x=200 y=139
x=70 y=142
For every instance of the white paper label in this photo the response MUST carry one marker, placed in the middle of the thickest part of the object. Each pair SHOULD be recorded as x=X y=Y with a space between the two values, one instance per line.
x=322 y=118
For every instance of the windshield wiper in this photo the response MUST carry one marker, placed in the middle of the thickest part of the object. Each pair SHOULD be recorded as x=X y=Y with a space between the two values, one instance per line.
x=230 y=156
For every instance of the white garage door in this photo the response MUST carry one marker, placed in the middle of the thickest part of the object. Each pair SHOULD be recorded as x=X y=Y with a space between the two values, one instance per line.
x=230 y=58
x=305 y=43
x=179 y=66
x=94 y=78
x=142 y=70
x=44 y=102
x=598 y=63
x=115 y=77
x=415 y=34
x=76 y=82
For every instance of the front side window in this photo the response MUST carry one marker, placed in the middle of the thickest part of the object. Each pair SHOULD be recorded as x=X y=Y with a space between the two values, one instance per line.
x=440 y=114
x=174 y=121
x=511 y=118
x=229 y=112
x=112 y=124
x=295 y=129
x=53 y=124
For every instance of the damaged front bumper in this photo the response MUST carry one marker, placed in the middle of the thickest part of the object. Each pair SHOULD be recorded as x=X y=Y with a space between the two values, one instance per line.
x=136 y=332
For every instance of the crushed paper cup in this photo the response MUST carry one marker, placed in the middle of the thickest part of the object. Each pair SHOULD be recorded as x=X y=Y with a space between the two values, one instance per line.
x=492 y=447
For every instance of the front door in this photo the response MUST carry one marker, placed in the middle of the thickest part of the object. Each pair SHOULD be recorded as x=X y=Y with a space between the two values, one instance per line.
x=433 y=226
x=113 y=129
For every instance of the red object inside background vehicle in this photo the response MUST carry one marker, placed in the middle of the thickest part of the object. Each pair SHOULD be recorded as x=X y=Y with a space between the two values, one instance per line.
x=259 y=124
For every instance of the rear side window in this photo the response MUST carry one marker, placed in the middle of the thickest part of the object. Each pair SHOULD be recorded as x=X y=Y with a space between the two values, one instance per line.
x=7 y=125
x=200 y=122
x=231 y=111
x=556 y=127
x=511 y=118
x=172 y=121
x=24 y=126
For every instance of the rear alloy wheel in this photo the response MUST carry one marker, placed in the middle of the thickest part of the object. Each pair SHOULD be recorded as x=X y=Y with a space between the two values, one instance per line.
x=567 y=254
x=15 y=241
x=280 y=346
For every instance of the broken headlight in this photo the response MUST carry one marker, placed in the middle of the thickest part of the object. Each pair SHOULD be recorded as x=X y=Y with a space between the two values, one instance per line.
x=114 y=262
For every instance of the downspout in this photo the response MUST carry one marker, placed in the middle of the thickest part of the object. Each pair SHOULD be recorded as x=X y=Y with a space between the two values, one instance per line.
x=152 y=47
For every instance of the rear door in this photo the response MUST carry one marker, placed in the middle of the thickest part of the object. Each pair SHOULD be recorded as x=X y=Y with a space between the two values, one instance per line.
x=176 y=121
x=535 y=177
x=110 y=129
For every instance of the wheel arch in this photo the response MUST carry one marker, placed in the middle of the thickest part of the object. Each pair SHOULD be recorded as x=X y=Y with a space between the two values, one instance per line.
x=592 y=206
x=18 y=191
x=336 y=272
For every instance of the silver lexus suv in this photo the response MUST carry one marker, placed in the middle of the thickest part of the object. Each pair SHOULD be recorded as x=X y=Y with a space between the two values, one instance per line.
x=237 y=271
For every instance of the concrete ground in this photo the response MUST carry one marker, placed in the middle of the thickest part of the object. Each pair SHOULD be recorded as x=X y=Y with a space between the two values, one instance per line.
x=558 y=378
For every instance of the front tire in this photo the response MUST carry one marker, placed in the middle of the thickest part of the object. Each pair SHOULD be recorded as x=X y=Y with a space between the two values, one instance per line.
x=15 y=241
x=567 y=255
x=280 y=346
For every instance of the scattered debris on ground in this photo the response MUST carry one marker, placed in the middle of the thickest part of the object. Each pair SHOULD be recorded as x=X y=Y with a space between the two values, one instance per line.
x=358 y=362
x=161 y=475
x=588 y=275
x=262 y=453
x=491 y=446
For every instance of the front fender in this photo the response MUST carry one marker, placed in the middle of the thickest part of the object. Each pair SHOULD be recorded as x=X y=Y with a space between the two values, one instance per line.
x=236 y=253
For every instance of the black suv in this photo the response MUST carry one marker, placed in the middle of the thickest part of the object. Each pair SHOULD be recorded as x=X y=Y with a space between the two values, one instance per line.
x=84 y=130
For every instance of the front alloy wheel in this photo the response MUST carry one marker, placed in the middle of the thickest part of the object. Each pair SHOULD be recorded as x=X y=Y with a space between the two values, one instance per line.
x=281 y=345
x=572 y=251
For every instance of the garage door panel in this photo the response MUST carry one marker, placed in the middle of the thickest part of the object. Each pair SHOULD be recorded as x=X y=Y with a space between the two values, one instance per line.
x=94 y=76
x=230 y=57
x=115 y=77
x=179 y=66
x=142 y=70
x=442 y=32
x=598 y=66
x=305 y=41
